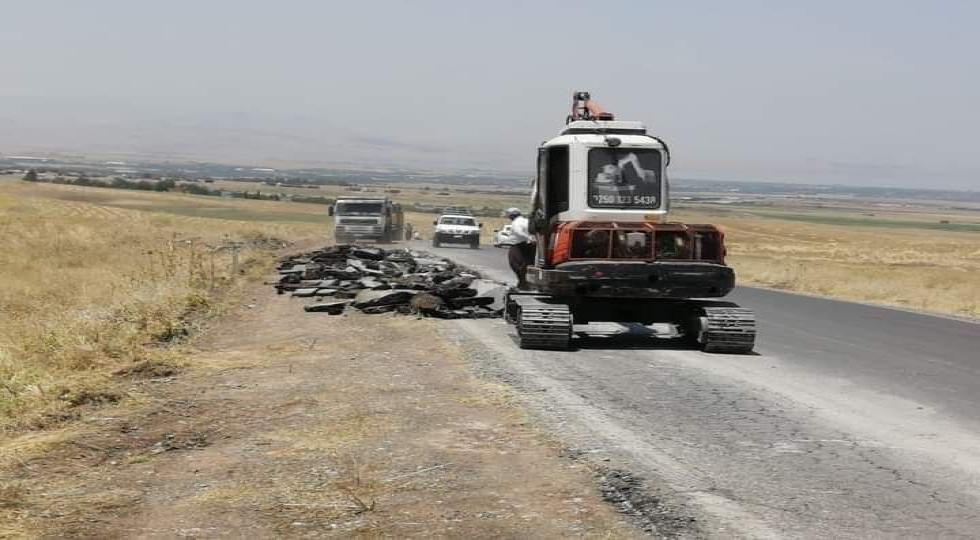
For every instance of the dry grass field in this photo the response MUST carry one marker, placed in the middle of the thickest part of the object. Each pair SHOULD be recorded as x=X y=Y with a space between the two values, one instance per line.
x=923 y=269
x=92 y=285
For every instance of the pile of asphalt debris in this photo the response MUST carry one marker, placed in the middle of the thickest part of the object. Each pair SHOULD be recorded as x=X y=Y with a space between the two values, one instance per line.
x=374 y=280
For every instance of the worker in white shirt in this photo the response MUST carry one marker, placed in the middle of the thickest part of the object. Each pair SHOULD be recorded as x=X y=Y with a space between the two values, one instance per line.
x=521 y=253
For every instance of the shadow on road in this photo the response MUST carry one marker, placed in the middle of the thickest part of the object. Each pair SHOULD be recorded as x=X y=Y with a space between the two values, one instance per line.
x=631 y=342
x=623 y=342
x=630 y=336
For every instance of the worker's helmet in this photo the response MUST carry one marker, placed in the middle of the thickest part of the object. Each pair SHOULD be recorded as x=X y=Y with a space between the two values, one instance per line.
x=512 y=213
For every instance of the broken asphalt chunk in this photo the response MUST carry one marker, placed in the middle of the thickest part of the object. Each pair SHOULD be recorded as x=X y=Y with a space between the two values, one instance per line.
x=333 y=308
x=304 y=293
x=371 y=298
x=373 y=254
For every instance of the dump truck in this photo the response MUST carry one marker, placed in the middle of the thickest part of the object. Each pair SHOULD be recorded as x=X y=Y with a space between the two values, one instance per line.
x=365 y=218
x=606 y=250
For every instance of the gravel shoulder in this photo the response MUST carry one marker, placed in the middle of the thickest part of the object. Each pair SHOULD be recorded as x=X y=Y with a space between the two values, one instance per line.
x=292 y=424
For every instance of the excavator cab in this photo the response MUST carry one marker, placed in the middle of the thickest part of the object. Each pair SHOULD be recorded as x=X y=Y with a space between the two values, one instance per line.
x=598 y=170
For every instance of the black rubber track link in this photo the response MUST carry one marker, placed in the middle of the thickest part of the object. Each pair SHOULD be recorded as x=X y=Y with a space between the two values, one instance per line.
x=545 y=327
x=728 y=330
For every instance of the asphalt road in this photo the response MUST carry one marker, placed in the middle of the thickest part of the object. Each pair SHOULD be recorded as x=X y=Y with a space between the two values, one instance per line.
x=850 y=421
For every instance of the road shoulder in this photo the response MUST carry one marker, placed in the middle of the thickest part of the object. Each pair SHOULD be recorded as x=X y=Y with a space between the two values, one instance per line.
x=297 y=424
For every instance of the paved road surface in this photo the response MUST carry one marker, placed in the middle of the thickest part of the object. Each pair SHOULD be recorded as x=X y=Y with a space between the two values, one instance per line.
x=851 y=421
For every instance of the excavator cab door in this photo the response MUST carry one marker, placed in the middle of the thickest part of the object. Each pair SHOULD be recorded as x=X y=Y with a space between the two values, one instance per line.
x=536 y=221
x=550 y=195
x=551 y=187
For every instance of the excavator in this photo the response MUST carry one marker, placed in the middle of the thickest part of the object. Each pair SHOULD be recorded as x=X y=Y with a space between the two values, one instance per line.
x=606 y=251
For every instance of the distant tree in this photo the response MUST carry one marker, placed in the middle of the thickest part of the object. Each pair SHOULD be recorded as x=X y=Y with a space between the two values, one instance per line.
x=30 y=176
x=312 y=200
x=197 y=189
x=165 y=185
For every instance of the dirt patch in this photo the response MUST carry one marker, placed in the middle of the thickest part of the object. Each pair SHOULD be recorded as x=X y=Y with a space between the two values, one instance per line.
x=148 y=369
x=77 y=398
x=286 y=424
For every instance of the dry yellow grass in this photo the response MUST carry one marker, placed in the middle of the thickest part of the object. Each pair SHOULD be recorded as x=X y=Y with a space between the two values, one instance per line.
x=928 y=270
x=92 y=288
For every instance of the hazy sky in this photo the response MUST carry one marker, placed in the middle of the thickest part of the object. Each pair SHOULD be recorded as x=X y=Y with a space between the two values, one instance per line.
x=856 y=92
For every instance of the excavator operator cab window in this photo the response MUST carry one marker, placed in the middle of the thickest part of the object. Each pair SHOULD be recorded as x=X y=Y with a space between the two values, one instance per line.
x=624 y=178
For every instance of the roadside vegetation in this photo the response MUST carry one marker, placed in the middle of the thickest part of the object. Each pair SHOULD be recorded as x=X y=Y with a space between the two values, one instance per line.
x=91 y=290
x=922 y=269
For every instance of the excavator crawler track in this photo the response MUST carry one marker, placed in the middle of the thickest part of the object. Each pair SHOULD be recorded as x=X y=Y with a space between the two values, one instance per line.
x=545 y=326
x=727 y=330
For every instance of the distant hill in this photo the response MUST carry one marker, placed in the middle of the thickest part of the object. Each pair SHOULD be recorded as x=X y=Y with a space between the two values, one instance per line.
x=688 y=185
x=473 y=177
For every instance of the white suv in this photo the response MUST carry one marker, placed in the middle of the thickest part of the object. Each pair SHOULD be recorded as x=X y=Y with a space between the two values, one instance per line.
x=503 y=237
x=456 y=229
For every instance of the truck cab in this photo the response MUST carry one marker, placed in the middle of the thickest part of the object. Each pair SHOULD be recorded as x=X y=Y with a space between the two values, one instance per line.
x=363 y=218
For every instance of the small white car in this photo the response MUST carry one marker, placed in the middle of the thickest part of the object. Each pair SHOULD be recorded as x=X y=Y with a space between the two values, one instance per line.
x=456 y=229
x=502 y=237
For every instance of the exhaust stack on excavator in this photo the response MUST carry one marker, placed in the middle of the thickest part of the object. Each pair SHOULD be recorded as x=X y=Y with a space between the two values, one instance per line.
x=583 y=108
